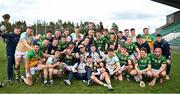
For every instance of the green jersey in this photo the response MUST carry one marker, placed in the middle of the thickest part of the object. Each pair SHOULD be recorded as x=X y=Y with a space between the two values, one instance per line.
x=69 y=61
x=130 y=47
x=115 y=42
x=157 y=62
x=62 y=46
x=32 y=55
x=42 y=48
x=106 y=37
x=44 y=37
x=100 y=43
x=143 y=63
x=122 y=58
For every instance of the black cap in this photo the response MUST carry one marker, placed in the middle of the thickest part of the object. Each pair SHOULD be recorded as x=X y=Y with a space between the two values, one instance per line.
x=6 y=16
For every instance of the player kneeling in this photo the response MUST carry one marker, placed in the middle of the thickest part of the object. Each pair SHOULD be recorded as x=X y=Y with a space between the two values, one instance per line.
x=55 y=67
x=158 y=66
x=142 y=67
x=125 y=62
x=33 y=63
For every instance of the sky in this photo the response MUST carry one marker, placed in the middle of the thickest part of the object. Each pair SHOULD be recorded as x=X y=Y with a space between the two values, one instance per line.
x=125 y=13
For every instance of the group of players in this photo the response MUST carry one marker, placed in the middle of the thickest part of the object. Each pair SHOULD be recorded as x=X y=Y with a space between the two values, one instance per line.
x=94 y=57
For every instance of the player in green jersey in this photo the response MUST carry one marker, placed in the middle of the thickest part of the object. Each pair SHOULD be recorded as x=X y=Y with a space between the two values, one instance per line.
x=99 y=41
x=43 y=44
x=158 y=63
x=33 y=63
x=48 y=35
x=124 y=59
x=63 y=43
x=112 y=40
x=142 y=66
x=132 y=49
x=68 y=59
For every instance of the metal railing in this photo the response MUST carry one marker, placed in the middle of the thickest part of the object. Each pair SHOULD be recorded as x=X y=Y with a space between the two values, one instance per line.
x=171 y=36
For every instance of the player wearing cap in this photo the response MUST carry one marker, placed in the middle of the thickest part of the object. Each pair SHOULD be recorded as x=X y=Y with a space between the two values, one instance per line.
x=5 y=26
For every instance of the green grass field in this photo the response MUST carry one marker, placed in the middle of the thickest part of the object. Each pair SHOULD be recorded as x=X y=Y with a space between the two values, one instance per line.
x=171 y=86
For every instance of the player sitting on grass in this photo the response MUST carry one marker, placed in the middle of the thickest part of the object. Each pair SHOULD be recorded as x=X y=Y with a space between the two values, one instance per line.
x=142 y=67
x=112 y=64
x=125 y=62
x=158 y=63
x=81 y=71
x=33 y=63
x=68 y=59
x=100 y=75
x=55 y=67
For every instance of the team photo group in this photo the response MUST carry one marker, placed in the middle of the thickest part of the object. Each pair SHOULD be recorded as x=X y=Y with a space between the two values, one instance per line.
x=94 y=57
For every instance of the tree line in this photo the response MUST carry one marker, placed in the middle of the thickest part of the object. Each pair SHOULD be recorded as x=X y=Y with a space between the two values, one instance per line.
x=41 y=26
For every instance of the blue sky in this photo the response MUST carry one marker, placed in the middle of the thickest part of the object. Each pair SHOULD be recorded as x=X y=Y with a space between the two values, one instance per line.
x=125 y=13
